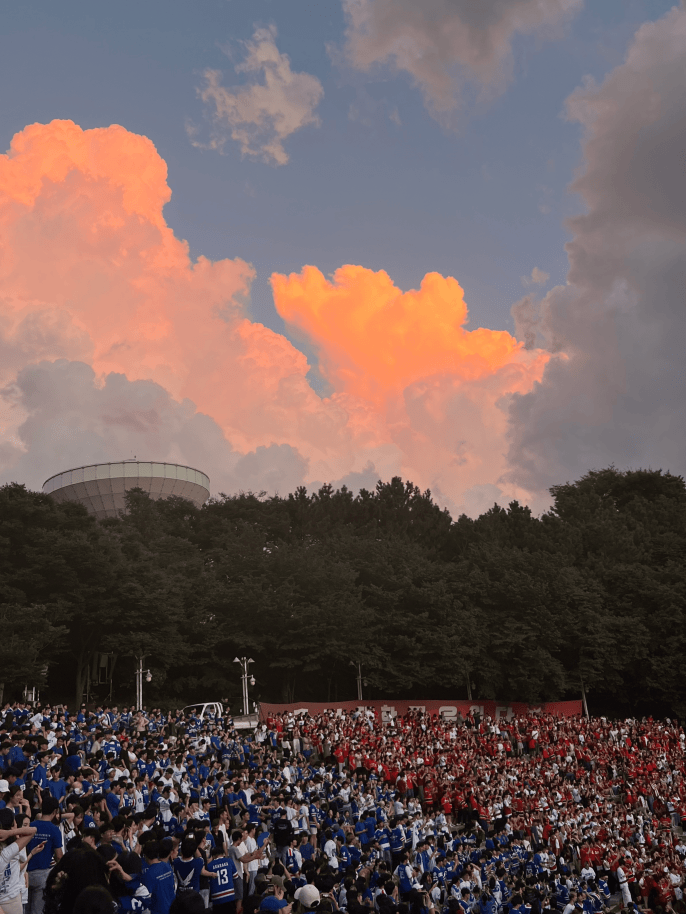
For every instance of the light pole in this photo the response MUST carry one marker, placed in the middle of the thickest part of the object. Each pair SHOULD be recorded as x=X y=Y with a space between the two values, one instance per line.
x=359 y=678
x=140 y=672
x=245 y=679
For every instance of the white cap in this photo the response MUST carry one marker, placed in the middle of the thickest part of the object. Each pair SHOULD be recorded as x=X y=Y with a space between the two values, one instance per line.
x=307 y=895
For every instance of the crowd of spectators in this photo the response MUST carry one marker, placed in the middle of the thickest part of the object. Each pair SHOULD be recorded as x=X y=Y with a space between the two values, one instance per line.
x=115 y=810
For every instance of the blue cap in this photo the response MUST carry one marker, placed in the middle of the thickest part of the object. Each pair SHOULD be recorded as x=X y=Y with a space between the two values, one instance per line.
x=272 y=903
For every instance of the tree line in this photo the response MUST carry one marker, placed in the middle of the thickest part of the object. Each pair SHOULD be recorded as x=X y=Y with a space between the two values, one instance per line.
x=507 y=605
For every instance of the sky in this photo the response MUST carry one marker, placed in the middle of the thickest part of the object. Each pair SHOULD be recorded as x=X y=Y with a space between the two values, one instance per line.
x=294 y=242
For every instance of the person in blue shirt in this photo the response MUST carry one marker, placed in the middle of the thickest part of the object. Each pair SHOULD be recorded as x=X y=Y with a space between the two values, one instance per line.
x=406 y=876
x=466 y=900
x=254 y=812
x=306 y=849
x=361 y=832
x=49 y=836
x=383 y=838
x=222 y=890
x=345 y=857
x=397 y=840
x=604 y=891
x=113 y=798
x=16 y=754
x=5 y=755
x=189 y=866
x=487 y=903
x=56 y=786
x=72 y=761
x=40 y=772
x=290 y=858
x=126 y=884
x=13 y=776
x=159 y=876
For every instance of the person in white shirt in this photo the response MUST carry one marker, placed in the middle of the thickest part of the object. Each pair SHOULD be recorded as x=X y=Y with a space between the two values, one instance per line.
x=624 y=886
x=13 y=841
x=238 y=852
x=166 y=779
x=331 y=850
x=569 y=907
x=291 y=814
x=254 y=863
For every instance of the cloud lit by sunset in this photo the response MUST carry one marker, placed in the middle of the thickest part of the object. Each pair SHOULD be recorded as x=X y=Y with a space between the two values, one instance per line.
x=264 y=349
x=375 y=339
x=88 y=251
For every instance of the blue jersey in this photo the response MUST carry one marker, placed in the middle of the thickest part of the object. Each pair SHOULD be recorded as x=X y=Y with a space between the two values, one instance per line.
x=345 y=858
x=188 y=873
x=406 y=877
x=398 y=839
x=383 y=836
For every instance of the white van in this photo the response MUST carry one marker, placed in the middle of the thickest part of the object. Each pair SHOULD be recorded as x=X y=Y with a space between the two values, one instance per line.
x=204 y=709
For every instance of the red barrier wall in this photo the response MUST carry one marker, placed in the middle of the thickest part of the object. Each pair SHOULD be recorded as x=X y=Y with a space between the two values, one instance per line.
x=447 y=709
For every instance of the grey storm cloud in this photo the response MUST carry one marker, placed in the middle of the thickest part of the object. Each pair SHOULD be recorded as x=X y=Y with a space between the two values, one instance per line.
x=615 y=392
x=72 y=419
x=447 y=45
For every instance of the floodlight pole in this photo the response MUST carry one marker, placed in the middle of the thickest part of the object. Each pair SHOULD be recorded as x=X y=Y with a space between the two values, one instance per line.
x=583 y=699
x=359 y=678
x=245 y=676
x=140 y=672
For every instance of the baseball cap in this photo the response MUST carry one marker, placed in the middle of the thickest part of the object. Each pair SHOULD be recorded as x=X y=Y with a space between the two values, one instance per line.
x=276 y=880
x=272 y=903
x=4 y=786
x=308 y=895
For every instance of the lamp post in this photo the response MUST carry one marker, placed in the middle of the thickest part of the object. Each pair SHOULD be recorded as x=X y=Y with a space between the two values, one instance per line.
x=140 y=672
x=245 y=679
x=359 y=678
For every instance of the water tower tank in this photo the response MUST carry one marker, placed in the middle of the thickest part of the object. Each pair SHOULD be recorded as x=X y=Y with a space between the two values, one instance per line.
x=101 y=487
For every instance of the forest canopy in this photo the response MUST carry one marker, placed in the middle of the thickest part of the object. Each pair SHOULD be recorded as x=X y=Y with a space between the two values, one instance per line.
x=511 y=605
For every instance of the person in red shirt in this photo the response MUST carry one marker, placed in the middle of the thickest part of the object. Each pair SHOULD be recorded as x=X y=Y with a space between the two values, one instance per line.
x=340 y=755
x=429 y=794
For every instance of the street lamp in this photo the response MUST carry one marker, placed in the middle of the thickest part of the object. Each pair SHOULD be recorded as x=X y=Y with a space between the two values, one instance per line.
x=359 y=678
x=140 y=672
x=245 y=679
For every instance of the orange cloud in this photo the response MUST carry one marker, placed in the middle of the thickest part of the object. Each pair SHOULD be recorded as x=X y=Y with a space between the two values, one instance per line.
x=82 y=226
x=92 y=273
x=407 y=370
x=375 y=339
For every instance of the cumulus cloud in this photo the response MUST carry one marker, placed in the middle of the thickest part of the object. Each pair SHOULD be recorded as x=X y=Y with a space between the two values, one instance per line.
x=262 y=113
x=408 y=372
x=71 y=418
x=114 y=342
x=616 y=392
x=447 y=45
x=91 y=272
